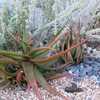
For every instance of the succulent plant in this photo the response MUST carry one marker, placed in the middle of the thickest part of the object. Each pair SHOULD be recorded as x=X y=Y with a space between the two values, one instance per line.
x=35 y=66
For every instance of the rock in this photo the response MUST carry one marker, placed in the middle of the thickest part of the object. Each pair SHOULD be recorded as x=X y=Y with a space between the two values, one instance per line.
x=88 y=98
x=98 y=60
x=96 y=96
x=89 y=67
x=93 y=78
x=96 y=64
x=89 y=71
x=76 y=79
x=1 y=98
x=73 y=88
x=74 y=70
x=83 y=73
x=89 y=62
x=98 y=80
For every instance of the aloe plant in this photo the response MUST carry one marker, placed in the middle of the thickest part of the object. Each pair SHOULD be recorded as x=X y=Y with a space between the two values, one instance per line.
x=34 y=62
x=35 y=65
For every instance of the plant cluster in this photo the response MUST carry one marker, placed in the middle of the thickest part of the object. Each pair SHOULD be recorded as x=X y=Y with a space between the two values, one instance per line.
x=36 y=66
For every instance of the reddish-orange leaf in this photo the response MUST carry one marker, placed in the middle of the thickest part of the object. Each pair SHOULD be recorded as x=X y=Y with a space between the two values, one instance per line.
x=19 y=75
x=33 y=84
x=50 y=58
x=57 y=38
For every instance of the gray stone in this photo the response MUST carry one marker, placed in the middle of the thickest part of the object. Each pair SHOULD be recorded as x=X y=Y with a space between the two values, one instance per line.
x=98 y=60
x=73 y=88
x=89 y=67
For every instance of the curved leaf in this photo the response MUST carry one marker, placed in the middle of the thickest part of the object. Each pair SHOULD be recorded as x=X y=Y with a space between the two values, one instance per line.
x=6 y=60
x=56 y=56
x=46 y=86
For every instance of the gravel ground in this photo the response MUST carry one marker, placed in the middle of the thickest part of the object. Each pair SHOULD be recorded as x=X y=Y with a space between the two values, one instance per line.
x=91 y=91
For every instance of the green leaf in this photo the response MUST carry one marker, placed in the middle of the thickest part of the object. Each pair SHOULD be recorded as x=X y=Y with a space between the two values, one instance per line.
x=30 y=75
x=40 y=78
x=48 y=65
x=28 y=70
x=2 y=66
x=6 y=60
x=38 y=53
x=9 y=53
x=45 y=85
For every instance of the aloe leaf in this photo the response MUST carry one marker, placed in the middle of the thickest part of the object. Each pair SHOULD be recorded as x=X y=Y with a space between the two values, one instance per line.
x=45 y=85
x=11 y=53
x=74 y=55
x=51 y=68
x=78 y=54
x=56 y=56
x=60 y=75
x=69 y=56
x=19 y=76
x=38 y=53
x=79 y=50
x=48 y=65
x=28 y=70
x=6 y=60
x=37 y=90
x=40 y=78
x=3 y=80
x=18 y=58
x=30 y=76
x=58 y=37
x=34 y=85
x=2 y=66
x=59 y=31
x=42 y=49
